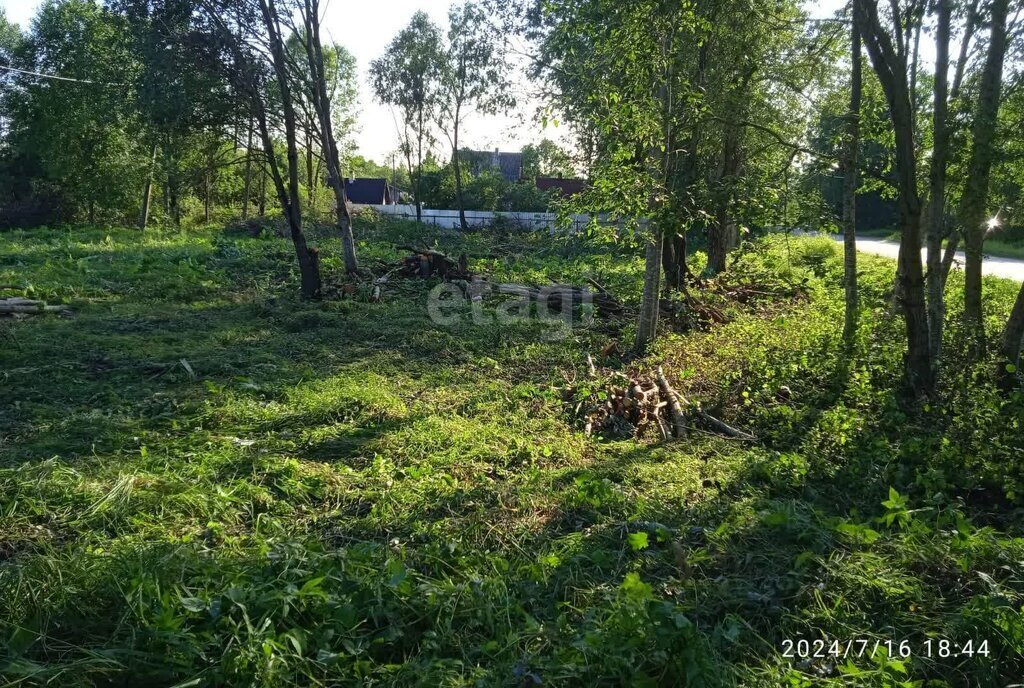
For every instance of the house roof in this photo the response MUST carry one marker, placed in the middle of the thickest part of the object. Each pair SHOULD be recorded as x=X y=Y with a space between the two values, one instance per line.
x=368 y=191
x=510 y=165
x=565 y=187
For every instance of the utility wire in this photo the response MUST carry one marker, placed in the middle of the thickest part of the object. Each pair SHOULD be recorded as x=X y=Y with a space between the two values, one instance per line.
x=60 y=78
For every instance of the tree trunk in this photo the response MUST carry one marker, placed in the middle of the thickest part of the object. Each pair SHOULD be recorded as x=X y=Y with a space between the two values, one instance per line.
x=673 y=260
x=937 y=183
x=289 y=196
x=975 y=196
x=681 y=181
x=322 y=105
x=262 y=207
x=309 y=174
x=850 y=169
x=891 y=69
x=419 y=166
x=248 y=174
x=723 y=235
x=1013 y=335
x=457 y=167
x=147 y=192
x=647 y=327
x=208 y=190
x=173 y=191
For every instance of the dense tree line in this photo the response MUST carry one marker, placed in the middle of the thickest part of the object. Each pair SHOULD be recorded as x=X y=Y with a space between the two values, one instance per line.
x=131 y=130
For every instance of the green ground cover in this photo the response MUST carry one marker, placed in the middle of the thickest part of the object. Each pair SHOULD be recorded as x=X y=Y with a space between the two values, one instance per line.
x=207 y=481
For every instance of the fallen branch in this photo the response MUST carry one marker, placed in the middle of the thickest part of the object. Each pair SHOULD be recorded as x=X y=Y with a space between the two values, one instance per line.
x=724 y=428
x=675 y=408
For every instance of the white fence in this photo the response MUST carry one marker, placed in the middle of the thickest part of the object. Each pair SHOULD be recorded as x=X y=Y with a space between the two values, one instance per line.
x=449 y=219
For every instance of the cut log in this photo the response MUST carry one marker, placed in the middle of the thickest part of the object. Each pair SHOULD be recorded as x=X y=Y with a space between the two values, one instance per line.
x=675 y=408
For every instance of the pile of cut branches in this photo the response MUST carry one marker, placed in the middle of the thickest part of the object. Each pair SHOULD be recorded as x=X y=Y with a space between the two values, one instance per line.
x=633 y=407
x=426 y=263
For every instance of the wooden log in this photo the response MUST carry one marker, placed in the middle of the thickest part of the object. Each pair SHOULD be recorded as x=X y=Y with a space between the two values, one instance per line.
x=675 y=408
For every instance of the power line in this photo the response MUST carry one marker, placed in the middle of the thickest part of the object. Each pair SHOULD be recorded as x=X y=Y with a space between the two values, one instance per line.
x=60 y=78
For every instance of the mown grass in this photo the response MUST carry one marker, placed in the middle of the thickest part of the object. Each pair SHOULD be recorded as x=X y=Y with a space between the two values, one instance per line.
x=207 y=481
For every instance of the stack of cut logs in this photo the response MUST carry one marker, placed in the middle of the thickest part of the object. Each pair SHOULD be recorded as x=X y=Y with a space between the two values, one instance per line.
x=22 y=306
x=631 y=406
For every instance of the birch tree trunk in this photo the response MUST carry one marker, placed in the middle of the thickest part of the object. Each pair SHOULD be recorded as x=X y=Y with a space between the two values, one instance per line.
x=647 y=327
x=147 y=191
x=457 y=167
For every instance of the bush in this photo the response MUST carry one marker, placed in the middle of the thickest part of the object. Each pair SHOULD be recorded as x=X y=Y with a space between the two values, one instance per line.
x=46 y=207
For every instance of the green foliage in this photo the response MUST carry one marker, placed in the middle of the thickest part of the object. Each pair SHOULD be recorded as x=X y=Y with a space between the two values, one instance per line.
x=546 y=159
x=488 y=190
x=80 y=137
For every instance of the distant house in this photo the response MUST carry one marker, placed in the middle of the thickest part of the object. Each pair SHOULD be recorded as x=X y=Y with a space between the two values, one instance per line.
x=566 y=188
x=369 y=191
x=510 y=165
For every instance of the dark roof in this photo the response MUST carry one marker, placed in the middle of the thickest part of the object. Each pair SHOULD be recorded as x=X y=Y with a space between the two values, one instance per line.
x=565 y=187
x=510 y=165
x=368 y=191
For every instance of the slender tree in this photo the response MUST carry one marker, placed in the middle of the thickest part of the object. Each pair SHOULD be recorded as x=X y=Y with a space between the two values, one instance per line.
x=255 y=39
x=888 y=53
x=850 y=181
x=975 y=196
x=936 y=232
x=407 y=77
x=474 y=76
x=316 y=84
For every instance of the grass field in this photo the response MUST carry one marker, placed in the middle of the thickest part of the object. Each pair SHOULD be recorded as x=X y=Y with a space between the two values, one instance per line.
x=206 y=481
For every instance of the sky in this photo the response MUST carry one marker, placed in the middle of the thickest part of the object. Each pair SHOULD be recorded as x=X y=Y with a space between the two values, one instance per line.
x=365 y=28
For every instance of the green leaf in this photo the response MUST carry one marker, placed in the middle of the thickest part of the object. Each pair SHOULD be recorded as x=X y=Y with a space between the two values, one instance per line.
x=634 y=587
x=311 y=586
x=638 y=541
